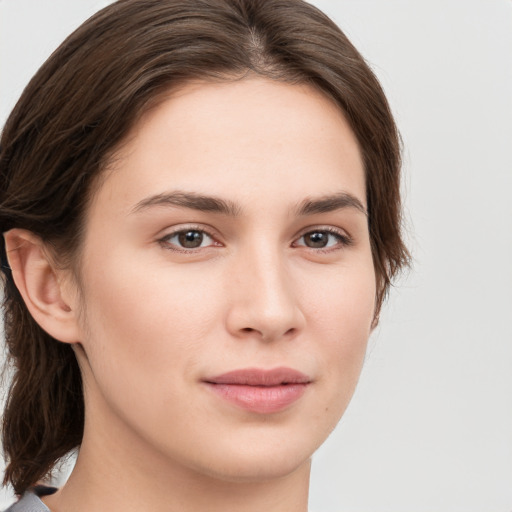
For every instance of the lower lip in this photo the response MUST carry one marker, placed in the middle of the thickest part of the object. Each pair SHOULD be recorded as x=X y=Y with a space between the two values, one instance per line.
x=260 y=399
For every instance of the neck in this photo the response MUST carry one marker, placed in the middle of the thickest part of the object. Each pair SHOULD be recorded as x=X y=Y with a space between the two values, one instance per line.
x=103 y=485
x=117 y=472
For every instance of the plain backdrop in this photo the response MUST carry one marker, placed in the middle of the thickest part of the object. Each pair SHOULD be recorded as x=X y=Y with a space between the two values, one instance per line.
x=430 y=426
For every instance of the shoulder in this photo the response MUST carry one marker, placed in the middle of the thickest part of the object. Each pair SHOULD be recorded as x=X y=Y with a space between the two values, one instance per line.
x=31 y=502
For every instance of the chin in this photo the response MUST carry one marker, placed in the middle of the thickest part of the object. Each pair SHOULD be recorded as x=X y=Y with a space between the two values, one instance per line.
x=258 y=461
x=260 y=469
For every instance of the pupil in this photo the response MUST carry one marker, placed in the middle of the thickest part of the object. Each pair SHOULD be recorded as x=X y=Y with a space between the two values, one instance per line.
x=317 y=239
x=190 y=239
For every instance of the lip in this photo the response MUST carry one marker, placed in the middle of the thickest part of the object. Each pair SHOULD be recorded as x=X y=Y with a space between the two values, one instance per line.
x=260 y=391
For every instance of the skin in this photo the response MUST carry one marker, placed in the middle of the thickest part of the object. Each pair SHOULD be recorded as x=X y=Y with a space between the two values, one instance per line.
x=150 y=320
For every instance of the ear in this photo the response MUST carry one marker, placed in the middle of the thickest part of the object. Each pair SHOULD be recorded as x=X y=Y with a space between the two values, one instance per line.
x=41 y=285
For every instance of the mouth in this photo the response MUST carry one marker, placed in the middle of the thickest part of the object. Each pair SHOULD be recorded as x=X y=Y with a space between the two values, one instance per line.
x=260 y=391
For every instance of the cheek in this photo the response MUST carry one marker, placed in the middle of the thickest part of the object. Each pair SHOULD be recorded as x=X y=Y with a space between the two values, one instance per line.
x=145 y=321
x=342 y=312
x=342 y=301
x=147 y=335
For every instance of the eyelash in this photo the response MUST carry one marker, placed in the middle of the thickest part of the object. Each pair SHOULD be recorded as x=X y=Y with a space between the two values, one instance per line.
x=343 y=239
x=164 y=241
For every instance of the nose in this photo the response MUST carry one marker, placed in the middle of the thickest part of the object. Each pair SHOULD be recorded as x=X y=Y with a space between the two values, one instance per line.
x=264 y=299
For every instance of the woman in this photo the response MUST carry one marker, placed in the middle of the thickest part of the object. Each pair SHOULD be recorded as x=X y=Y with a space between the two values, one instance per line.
x=201 y=217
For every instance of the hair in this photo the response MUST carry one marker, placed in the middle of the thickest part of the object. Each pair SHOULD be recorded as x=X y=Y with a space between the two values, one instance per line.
x=77 y=110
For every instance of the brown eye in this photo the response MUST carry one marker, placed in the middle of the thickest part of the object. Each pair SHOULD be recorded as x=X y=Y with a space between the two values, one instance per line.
x=190 y=239
x=316 y=239
x=323 y=239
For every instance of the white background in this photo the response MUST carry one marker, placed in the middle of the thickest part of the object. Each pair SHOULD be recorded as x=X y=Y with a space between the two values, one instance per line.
x=430 y=427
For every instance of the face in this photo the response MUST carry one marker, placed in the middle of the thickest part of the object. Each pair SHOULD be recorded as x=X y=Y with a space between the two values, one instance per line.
x=227 y=283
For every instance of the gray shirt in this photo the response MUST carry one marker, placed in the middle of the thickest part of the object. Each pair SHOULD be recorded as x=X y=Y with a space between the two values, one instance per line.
x=30 y=501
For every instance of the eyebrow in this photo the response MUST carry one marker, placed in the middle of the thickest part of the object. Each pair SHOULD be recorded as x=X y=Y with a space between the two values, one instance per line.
x=190 y=200
x=330 y=203
x=200 y=202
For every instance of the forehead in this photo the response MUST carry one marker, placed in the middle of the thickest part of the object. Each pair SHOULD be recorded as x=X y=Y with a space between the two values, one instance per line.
x=235 y=138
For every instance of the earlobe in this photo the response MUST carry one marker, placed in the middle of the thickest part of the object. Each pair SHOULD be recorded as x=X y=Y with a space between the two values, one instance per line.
x=40 y=285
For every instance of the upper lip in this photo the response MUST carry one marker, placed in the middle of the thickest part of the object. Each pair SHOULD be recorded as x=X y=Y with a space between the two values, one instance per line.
x=260 y=377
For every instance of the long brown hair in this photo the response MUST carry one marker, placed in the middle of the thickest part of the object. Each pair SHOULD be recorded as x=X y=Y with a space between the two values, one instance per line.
x=76 y=111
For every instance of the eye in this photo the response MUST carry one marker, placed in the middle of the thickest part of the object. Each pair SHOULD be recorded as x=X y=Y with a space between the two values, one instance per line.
x=188 y=239
x=323 y=239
